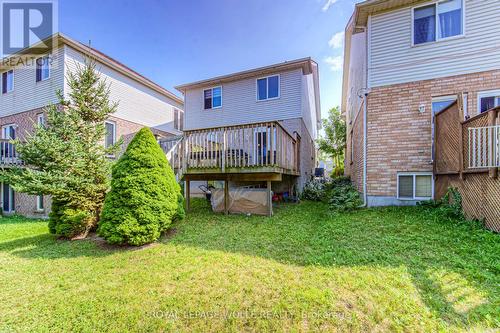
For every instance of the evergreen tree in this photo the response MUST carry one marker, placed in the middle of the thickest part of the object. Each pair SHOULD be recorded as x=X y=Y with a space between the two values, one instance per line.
x=66 y=158
x=144 y=196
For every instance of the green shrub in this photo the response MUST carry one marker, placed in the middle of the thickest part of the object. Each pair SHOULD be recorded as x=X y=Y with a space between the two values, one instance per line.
x=144 y=196
x=448 y=207
x=344 y=197
x=313 y=190
x=68 y=222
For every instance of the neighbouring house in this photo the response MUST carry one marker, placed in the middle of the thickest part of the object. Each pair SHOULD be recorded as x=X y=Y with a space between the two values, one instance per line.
x=252 y=128
x=407 y=64
x=27 y=88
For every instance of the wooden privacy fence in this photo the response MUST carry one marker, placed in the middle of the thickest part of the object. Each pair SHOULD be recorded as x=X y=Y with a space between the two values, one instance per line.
x=467 y=156
x=261 y=146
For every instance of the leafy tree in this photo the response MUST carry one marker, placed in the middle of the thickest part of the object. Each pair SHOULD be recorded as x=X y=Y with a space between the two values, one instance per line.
x=333 y=142
x=144 y=196
x=66 y=157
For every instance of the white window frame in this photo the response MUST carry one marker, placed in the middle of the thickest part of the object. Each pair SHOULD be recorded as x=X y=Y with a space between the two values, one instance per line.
x=438 y=39
x=114 y=131
x=8 y=91
x=483 y=94
x=267 y=88
x=39 y=200
x=415 y=174
x=203 y=98
x=49 y=69
x=6 y=126
x=40 y=119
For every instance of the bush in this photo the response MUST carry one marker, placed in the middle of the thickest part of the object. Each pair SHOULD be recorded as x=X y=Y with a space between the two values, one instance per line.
x=314 y=190
x=448 y=207
x=144 y=196
x=68 y=222
x=344 y=197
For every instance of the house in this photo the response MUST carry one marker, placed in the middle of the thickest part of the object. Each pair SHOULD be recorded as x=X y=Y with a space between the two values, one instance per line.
x=253 y=127
x=405 y=61
x=28 y=87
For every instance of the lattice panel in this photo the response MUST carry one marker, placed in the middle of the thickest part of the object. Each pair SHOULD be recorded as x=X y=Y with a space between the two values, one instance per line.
x=480 y=195
x=447 y=140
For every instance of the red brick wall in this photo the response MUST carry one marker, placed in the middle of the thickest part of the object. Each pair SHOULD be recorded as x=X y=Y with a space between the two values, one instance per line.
x=399 y=136
x=353 y=163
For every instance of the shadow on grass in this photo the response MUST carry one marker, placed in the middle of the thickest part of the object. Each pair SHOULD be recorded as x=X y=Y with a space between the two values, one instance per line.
x=47 y=246
x=307 y=234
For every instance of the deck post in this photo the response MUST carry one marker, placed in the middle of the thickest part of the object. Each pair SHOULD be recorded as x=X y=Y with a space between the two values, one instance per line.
x=187 y=194
x=226 y=196
x=269 y=200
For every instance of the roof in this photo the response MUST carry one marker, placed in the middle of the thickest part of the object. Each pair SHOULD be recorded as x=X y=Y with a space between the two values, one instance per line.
x=306 y=64
x=103 y=58
x=370 y=7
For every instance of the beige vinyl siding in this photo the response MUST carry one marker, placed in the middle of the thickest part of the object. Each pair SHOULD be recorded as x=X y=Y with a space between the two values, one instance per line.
x=29 y=94
x=309 y=105
x=392 y=58
x=137 y=103
x=240 y=105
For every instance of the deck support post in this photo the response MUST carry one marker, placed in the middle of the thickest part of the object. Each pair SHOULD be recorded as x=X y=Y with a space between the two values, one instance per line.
x=187 y=194
x=269 y=200
x=226 y=196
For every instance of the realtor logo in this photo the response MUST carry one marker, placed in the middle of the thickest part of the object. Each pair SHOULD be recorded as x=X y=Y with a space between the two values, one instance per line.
x=26 y=23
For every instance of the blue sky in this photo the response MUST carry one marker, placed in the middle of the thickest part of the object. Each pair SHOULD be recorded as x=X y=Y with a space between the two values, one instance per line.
x=174 y=42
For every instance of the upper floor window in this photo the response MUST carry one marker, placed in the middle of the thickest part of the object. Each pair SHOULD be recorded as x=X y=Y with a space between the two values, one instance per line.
x=268 y=87
x=178 y=120
x=42 y=68
x=110 y=138
x=40 y=119
x=7 y=81
x=487 y=100
x=437 y=21
x=212 y=98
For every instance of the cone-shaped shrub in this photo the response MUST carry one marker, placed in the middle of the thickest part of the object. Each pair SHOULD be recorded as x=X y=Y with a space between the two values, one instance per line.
x=144 y=196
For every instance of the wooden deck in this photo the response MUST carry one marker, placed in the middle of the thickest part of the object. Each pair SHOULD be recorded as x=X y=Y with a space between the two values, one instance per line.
x=259 y=152
x=262 y=148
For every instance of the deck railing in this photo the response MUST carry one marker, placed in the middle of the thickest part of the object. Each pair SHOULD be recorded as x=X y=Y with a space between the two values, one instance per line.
x=8 y=154
x=484 y=147
x=235 y=148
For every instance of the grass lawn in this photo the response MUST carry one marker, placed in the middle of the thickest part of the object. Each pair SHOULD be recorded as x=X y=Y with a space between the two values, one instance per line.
x=303 y=269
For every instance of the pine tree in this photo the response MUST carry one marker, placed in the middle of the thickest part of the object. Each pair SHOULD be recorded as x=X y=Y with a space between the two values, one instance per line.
x=66 y=157
x=144 y=196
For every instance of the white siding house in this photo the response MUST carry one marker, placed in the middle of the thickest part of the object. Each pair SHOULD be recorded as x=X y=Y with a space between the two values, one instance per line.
x=393 y=57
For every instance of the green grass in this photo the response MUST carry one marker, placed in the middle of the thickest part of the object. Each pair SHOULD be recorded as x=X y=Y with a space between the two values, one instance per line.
x=378 y=269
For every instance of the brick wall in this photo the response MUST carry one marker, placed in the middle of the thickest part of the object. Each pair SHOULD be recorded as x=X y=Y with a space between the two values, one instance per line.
x=353 y=162
x=399 y=136
x=26 y=204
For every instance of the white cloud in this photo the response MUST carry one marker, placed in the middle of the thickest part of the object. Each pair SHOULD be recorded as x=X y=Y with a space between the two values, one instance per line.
x=335 y=63
x=337 y=40
x=328 y=4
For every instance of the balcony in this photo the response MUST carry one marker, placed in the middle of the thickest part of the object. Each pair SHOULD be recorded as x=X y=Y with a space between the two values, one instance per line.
x=260 y=148
x=8 y=154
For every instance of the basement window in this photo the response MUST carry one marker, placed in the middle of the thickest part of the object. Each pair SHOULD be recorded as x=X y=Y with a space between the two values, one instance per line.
x=415 y=186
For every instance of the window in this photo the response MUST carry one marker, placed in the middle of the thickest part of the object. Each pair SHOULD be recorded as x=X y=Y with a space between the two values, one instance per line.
x=268 y=88
x=42 y=68
x=8 y=198
x=176 y=119
x=110 y=138
x=7 y=81
x=40 y=119
x=212 y=98
x=440 y=20
x=39 y=202
x=415 y=186
x=487 y=100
